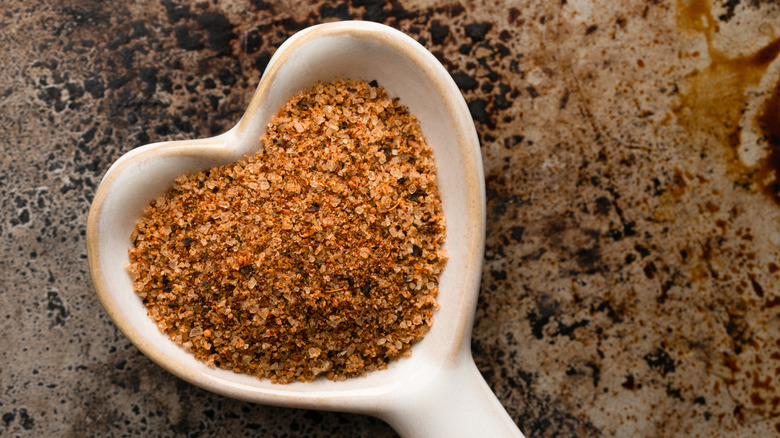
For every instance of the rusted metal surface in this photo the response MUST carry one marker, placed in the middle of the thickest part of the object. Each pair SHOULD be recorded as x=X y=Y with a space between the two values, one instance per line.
x=631 y=275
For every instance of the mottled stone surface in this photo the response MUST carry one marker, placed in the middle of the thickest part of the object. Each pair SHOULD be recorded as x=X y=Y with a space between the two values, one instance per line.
x=631 y=278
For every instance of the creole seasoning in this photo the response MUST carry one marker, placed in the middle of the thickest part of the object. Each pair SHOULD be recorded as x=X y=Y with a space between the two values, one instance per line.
x=320 y=255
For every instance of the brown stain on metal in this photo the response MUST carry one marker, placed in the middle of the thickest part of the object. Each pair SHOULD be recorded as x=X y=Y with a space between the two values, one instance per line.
x=715 y=97
x=680 y=185
x=768 y=121
x=763 y=384
x=759 y=290
x=713 y=101
x=774 y=302
x=730 y=363
x=756 y=399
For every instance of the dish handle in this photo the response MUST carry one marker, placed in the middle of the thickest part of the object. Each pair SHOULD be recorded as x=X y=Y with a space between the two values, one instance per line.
x=455 y=402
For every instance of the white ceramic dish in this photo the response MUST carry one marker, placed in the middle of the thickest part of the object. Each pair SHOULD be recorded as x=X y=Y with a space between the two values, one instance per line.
x=436 y=392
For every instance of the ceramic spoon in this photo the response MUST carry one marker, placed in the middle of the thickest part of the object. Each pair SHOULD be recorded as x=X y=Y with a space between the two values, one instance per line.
x=438 y=391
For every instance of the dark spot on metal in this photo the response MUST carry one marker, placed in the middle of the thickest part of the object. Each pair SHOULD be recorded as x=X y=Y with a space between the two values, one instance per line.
x=464 y=81
x=340 y=11
x=596 y=371
x=478 y=109
x=739 y=332
x=226 y=77
x=27 y=421
x=8 y=417
x=660 y=361
x=260 y=5
x=516 y=233
x=439 y=32
x=756 y=287
x=176 y=11
x=187 y=41
x=729 y=7
x=629 y=229
x=149 y=76
x=498 y=275
x=603 y=205
x=477 y=31
x=501 y=102
x=650 y=270
x=568 y=330
x=56 y=308
x=545 y=310
x=219 y=31
x=629 y=383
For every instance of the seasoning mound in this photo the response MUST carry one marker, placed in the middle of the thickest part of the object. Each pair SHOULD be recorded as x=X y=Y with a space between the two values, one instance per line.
x=320 y=255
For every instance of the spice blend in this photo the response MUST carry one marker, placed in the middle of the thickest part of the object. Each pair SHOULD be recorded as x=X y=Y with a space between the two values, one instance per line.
x=320 y=255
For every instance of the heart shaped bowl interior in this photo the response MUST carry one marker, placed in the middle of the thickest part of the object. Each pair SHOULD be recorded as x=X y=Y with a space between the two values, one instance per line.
x=321 y=53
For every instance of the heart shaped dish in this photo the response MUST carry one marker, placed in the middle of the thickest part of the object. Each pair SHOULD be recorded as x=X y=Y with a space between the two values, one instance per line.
x=438 y=388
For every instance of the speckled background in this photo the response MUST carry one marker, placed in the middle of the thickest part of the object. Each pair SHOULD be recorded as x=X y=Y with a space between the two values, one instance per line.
x=631 y=278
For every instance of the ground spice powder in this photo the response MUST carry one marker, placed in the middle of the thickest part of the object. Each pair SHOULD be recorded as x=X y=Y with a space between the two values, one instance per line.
x=320 y=255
